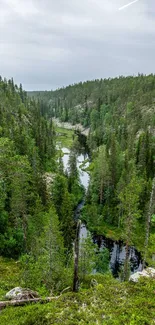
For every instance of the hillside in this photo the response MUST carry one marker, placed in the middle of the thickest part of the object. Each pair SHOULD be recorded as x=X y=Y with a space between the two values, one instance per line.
x=41 y=200
x=27 y=150
x=108 y=303
x=37 y=197
x=76 y=102
x=120 y=113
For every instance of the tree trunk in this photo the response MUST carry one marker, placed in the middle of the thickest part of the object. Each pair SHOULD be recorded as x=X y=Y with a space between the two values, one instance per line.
x=148 y=221
x=22 y=302
x=76 y=259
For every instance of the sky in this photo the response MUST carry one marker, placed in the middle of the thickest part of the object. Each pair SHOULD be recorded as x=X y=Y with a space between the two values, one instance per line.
x=45 y=44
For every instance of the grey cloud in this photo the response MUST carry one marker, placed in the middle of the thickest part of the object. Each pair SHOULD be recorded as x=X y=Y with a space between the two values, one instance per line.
x=51 y=43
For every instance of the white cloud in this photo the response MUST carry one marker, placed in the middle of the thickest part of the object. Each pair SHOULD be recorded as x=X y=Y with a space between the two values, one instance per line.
x=22 y=7
x=55 y=42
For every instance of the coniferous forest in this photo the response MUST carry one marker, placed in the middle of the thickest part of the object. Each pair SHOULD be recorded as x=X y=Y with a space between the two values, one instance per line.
x=42 y=201
x=120 y=115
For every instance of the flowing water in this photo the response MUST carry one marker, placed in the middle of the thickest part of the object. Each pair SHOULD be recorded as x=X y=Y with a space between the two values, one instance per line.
x=116 y=248
x=84 y=176
x=117 y=252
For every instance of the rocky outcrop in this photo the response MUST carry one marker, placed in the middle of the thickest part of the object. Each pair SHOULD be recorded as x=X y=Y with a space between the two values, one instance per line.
x=148 y=273
x=69 y=126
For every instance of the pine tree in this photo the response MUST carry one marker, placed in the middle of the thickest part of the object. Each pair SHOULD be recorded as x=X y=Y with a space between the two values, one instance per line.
x=130 y=213
x=52 y=252
x=45 y=264
x=148 y=221
x=87 y=256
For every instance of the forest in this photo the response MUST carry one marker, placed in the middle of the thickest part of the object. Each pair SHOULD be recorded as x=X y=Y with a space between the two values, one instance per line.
x=39 y=198
x=120 y=115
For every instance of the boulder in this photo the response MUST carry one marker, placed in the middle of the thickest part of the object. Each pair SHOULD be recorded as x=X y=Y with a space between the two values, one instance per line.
x=148 y=273
x=19 y=293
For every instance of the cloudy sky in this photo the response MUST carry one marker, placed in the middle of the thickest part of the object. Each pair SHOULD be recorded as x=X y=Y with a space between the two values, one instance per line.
x=46 y=44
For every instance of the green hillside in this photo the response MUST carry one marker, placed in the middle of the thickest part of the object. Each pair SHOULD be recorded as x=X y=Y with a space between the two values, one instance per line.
x=76 y=102
x=109 y=303
x=39 y=199
x=120 y=113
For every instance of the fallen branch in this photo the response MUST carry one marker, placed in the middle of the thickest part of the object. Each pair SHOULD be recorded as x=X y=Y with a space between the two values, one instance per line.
x=22 y=302
x=65 y=290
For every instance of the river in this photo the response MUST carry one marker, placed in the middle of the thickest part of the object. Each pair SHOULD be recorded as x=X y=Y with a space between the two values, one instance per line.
x=116 y=248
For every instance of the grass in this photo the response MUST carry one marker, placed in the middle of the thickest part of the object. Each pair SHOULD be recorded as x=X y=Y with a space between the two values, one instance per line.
x=65 y=137
x=109 y=303
x=110 y=232
x=9 y=276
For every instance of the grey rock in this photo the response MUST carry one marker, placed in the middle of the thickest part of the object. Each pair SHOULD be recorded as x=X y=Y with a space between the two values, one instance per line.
x=147 y=273
x=19 y=293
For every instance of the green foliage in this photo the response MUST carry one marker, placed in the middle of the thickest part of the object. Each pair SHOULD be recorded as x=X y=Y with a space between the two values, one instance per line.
x=129 y=212
x=87 y=257
x=64 y=137
x=64 y=203
x=102 y=260
x=10 y=275
x=103 y=104
x=153 y=219
x=27 y=150
x=45 y=265
x=129 y=200
x=120 y=115
x=109 y=303
x=37 y=217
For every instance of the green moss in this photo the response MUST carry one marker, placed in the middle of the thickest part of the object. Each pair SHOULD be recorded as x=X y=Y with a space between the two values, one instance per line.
x=9 y=275
x=109 y=303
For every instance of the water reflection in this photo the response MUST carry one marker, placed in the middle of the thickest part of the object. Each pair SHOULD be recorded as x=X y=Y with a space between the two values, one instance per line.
x=84 y=176
x=117 y=252
x=116 y=249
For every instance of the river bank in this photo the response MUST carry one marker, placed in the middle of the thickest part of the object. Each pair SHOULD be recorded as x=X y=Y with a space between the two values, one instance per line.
x=115 y=246
x=69 y=126
x=108 y=301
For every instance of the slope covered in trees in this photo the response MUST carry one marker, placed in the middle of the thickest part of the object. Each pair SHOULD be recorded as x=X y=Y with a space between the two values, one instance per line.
x=75 y=103
x=120 y=113
x=37 y=199
x=26 y=150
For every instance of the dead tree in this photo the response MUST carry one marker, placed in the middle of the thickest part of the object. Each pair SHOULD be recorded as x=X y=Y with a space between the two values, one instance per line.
x=22 y=302
x=76 y=258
